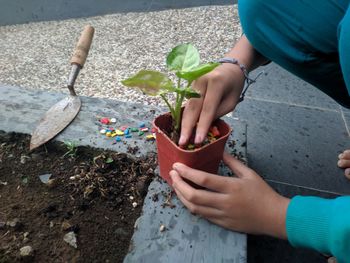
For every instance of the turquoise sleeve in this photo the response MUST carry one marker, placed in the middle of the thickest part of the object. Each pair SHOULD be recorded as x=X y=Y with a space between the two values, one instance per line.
x=320 y=224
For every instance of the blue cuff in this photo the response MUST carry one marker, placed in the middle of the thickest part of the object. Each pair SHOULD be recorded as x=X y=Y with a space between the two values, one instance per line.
x=308 y=222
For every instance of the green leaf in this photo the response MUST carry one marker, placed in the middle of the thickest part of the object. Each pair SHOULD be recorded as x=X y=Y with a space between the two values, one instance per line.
x=183 y=58
x=197 y=72
x=191 y=93
x=150 y=82
x=109 y=160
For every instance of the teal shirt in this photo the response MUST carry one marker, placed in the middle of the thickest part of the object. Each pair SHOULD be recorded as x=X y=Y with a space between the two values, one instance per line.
x=311 y=39
x=320 y=224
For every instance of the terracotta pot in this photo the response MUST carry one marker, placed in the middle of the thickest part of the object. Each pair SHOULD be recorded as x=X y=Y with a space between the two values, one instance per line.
x=206 y=158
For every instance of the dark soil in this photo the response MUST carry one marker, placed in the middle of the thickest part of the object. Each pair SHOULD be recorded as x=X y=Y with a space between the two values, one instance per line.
x=96 y=194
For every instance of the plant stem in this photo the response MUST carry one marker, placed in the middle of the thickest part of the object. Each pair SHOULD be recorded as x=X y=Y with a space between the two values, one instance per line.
x=178 y=112
x=172 y=111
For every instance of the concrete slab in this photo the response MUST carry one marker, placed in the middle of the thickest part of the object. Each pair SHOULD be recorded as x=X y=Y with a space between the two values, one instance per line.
x=296 y=145
x=195 y=238
x=278 y=85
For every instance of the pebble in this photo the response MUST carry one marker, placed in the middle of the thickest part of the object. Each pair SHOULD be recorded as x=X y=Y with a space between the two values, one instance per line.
x=134 y=129
x=141 y=133
x=105 y=121
x=103 y=131
x=162 y=228
x=215 y=131
x=128 y=136
x=144 y=129
x=150 y=137
x=26 y=251
x=134 y=204
x=15 y=223
x=118 y=139
x=119 y=132
x=44 y=178
x=126 y=131
x=142 y=124
x=113 y=120
x=131 y=197
x=66 y=225
x=52 y=183
x=71 y=239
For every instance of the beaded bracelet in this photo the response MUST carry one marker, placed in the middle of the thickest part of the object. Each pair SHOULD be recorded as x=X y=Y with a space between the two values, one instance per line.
x=248 y=79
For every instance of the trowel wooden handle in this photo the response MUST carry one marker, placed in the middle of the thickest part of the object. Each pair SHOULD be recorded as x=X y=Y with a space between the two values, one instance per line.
x=82 y=48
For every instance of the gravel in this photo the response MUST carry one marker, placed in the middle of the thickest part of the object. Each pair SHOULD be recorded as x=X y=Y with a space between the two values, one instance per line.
x=36 y=55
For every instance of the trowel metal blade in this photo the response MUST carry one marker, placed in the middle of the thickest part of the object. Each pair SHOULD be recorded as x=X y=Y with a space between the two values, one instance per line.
x=55 y=120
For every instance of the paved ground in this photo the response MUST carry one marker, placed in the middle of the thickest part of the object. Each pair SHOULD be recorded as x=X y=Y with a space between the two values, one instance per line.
x=294 y=131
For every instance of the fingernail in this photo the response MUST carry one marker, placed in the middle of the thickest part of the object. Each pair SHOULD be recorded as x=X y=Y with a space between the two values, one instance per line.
x=347 y=172
x=182 y=140
x=340 y=162
x=176 y=166
x=341 y=156
x=172 y=173
x=198 y=139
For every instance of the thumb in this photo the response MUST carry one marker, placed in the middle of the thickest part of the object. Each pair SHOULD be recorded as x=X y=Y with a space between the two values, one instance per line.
x=237 y=167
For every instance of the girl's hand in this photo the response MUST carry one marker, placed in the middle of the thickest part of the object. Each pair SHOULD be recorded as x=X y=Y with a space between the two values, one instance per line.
x=244 y=203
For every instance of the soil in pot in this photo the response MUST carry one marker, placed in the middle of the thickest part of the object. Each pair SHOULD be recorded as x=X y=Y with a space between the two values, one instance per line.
x=47 y=200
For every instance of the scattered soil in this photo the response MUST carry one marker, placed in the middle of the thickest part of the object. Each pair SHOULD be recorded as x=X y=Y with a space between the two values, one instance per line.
x=95 y=195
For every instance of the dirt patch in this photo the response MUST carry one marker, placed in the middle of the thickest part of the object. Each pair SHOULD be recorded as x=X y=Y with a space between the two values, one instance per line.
x=93 y=195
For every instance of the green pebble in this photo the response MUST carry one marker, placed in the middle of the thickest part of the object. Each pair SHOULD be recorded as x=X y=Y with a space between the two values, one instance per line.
x=141 y=133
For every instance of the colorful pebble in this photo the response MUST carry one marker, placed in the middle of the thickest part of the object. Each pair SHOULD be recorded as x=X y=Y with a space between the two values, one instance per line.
x=150 y=137
x=118 y=139
x=215 y=131
x=128 y=136
x=103 y=131
x=113 y=120
x=142 y=124
x=144 y=129
x=123 y=128
x=126 y=131
x=105 y=121
x=108 y=134
x=190 y=146
x=141 y=133
x=134 y=129
x=119 y=132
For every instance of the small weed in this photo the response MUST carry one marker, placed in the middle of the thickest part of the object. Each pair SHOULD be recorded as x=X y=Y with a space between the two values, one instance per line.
x=71 y=149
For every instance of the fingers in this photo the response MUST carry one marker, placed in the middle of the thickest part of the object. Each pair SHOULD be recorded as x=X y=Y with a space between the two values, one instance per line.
x=210 y=181
x=190 y=117
x=344 y=159
x=237 y=167
x=211 y=103
x=191 y=112
x=195 y=196
x=198 y=209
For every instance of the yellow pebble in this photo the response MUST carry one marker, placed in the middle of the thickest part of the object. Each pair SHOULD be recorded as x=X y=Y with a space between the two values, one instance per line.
x=119 y=133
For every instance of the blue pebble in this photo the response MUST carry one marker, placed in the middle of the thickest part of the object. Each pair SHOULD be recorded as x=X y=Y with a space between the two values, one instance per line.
x=126 y=132
x=118 y=139
x=128 y=136
x=142 y=125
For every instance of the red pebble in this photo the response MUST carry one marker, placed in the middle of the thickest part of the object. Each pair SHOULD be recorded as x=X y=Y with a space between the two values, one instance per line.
x=105 y=121
x=215 y=131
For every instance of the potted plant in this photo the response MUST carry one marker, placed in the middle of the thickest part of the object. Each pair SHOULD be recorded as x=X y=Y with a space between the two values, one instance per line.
x=185 y=62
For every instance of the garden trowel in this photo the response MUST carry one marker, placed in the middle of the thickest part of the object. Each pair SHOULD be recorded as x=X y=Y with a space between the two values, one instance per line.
x=63 y=112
